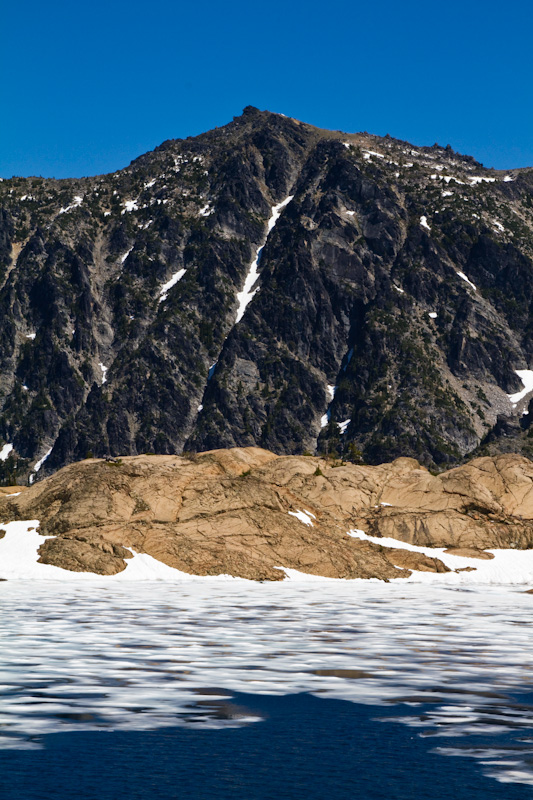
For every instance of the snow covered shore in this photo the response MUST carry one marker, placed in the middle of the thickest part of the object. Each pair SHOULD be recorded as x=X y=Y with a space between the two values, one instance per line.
x=20 y=544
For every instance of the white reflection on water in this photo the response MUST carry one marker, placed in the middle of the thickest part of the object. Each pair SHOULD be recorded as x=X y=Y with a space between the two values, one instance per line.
x=143 y=656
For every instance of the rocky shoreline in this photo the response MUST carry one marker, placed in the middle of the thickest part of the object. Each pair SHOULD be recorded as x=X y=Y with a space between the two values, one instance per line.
x=246 y=512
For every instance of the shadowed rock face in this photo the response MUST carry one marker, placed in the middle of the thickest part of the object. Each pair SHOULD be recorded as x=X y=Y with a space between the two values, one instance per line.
x=359 y=289
x=239 y=512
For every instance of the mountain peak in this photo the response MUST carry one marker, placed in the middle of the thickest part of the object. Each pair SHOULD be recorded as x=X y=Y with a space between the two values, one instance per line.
x=267 y=283
x=249 y=111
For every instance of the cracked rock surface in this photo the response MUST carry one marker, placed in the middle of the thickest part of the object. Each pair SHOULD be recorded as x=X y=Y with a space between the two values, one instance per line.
x=247 y=511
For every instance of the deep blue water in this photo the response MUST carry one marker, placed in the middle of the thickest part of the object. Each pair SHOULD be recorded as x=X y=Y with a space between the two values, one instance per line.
x=305 y=747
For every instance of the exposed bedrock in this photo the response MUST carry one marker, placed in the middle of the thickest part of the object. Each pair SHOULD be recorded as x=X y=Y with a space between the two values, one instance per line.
x=247 y=512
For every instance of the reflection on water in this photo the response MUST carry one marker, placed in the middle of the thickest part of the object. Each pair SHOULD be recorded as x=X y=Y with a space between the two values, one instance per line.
x=149 y=656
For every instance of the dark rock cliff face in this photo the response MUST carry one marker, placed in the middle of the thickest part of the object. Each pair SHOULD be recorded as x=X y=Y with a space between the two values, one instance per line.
x=391 y=312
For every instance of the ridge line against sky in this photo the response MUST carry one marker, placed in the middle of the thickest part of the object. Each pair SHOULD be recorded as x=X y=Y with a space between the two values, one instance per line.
x=88 y=89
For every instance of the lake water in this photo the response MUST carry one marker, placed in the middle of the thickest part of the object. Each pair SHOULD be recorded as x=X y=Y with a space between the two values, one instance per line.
x=213 y=689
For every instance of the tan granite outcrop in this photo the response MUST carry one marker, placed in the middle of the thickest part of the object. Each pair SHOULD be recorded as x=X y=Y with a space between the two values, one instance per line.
x=229 y=511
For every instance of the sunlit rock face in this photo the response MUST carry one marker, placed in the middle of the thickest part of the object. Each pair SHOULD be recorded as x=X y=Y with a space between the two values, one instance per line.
x=267 y=284
x=249 y=513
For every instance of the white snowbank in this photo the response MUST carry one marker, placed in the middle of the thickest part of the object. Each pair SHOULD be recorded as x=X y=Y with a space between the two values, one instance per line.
x=343 y=425
x=41 y=461
x=507 y=566
x=447 y=178
x=526 y=376
x=464 y=278
x=104 y=372
x=165 y=289
x=75 y=203
x=476 y=179
x=19 y=546
x=5 y=451
x=324 y=419
x=303 y=516
x=248 y=291
x=305 y=577
x=424 y=223
x=130 y=205
x=432 y=315
x=19 y=553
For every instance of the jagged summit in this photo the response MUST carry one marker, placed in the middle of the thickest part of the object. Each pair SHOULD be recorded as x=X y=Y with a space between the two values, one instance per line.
x=267 y=283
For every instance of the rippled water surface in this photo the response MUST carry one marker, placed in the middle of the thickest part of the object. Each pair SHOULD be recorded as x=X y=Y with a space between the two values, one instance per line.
x=448 y=668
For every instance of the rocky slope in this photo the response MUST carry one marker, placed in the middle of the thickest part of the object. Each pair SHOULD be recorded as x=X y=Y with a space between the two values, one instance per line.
x=247 y=512
x=391 y=312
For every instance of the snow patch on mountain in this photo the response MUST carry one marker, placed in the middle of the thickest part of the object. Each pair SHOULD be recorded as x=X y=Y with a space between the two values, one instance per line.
x=5 y=451
x=130 y=205
x=165 y=289
x=464 y=278
x=526 y=376
x=248 y=292
x=41 y=461
x=480 y=179
x=75 y=203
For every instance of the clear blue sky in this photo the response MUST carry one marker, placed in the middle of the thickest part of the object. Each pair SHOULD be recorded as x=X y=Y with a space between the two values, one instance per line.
x=87 y=87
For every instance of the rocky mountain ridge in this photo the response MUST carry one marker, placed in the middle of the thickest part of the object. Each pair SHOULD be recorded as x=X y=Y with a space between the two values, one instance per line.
x=390 y=314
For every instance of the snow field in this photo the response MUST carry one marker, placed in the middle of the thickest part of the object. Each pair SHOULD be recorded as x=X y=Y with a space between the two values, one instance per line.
x=508 y=567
